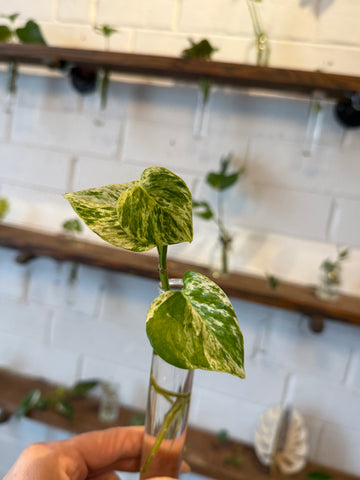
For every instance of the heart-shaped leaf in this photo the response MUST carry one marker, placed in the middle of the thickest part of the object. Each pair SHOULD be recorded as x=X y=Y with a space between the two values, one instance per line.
x=140 y=215
x=31 y=33
x=98 y=208
x=196 y=327
x=157 y=210
x=5 y=33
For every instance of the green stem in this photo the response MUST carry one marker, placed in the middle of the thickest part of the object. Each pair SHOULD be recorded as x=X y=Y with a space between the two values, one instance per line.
x=163 y=273
x=175 y=413
x=104 y=88
x=13 y=73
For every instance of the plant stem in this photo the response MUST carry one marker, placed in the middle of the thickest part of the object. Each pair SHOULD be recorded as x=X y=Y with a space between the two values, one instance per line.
x=163 y=273
x=104 y=88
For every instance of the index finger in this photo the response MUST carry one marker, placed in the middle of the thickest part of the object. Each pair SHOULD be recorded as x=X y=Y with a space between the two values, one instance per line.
x=114 y=448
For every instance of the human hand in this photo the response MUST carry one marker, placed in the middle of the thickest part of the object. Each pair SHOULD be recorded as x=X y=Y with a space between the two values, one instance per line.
x=94 y=455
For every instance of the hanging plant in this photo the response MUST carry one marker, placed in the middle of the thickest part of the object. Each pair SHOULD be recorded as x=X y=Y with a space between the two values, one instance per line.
x=4 y=207
x=72 y=228
x=201 y=50
x=104 y=75
x=262 y=42
x=219 y=181
x=59 y=401
x=29 y=33
x=330 y=276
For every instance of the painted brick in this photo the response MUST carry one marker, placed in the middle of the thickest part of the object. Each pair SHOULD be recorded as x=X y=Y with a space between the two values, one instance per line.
x=283 y=164
x=326 y=355
x=239 y=417
x=34 y=166
x=353 y=377
x=29 y=356
x=47 y=282
x=133 y=383
x=42 y=10
x=36 y=208
x=50 y=284
x=277 y=210
x=87 y=173
x=4 y=125
x=157 y=14
x=253 y=114
x=119 y=95
x=82 y=36
x=174 y=146
x=339 y=446
x=22 y=319
x=163 y=43
x=12 y=275
x=251 y=319
x=117 y=342
x=309 y=397
x=338 y=23
x=264 y=383
x=66 y=131
x=344 y=231
x=45 y=92
x=84 y=294
x=222 y=16
x=157 y=104
x=288 y=20
x=75 y=12
x=129 y=297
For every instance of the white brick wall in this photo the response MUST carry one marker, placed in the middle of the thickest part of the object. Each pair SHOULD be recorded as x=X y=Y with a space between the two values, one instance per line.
x=287 y=213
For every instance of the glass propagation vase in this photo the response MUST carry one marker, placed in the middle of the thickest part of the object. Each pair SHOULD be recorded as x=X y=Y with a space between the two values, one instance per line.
x=166 y=416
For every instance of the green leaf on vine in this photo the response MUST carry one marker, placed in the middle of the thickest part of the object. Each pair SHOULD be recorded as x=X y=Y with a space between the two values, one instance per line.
x=83 y=387
x=4 y=207
x=105 y=30
x=203 y=210
x=5 y=33
x=30 y=33
x=73 y=226
x=196 y=327
x=202 y=49
x=28 y=403
x=139 y=215
x=222 y=180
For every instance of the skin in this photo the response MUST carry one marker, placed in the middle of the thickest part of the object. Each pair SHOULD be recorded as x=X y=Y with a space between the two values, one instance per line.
x=94 y=455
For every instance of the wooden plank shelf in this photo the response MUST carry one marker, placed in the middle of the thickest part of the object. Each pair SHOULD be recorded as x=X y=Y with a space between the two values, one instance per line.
x=204 y=451
x=221 y=73
x=289 y=296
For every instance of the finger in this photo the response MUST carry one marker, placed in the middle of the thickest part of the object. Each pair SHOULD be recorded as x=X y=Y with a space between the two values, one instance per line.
x=120 y=446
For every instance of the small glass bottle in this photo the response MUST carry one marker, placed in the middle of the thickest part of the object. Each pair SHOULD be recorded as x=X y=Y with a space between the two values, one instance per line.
x=166 y=416
x=109 y=403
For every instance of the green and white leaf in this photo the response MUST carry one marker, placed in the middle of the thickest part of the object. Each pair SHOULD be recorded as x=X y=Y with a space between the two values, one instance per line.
x=139 y=215
x=158 y=209
x=196 y=327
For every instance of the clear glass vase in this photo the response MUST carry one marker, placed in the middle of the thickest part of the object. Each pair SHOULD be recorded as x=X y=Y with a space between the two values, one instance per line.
x=166 y=417
x=329 y=284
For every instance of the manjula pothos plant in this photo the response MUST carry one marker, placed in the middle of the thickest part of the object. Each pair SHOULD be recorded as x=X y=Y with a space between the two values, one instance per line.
x=195 y=327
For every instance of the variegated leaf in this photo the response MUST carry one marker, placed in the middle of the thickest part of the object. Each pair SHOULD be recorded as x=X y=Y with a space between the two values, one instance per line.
x=158 y=209
x=136 y=215
x=98 y=208
x=197 y=327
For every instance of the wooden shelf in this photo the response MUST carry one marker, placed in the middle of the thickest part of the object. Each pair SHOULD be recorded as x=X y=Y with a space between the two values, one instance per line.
x=203 y=451
x=253 y=288
x=221 y=73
